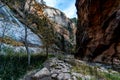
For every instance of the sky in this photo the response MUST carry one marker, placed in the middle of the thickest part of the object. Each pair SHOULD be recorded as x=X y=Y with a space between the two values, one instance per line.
x=66 y=6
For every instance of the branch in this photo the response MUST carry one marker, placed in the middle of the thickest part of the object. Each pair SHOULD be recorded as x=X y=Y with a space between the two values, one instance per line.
x=19 y=12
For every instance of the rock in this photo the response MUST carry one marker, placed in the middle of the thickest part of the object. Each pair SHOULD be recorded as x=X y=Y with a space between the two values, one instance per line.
x=64 y=76
x=42 y=73
x=87 y=77
x=59 y=17
x=98 y=29
x=65 y=70
x=74 y=78
x=68 y=65
x=67 y=76
x=103 y=69
x=58 y=67
x=21 y=49
x=78 y=75
x=16 y=30
x=63 y=27
x=62 y=64
x=61 y=22
x=60 y=76
x=55 y=71
x=54 y=76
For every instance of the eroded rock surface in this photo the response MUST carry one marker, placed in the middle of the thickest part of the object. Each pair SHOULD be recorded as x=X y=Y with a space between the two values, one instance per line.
x=36 y=13
x=98 y=29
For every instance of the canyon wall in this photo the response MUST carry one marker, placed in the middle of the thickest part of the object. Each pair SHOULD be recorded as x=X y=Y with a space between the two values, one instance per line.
x=98 y=30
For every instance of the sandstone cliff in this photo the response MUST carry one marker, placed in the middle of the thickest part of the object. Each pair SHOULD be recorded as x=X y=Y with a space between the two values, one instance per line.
x=98 y=29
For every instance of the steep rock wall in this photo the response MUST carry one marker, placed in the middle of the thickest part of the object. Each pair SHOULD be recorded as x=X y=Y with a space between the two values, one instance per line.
x=35 y=14
x=98 y=29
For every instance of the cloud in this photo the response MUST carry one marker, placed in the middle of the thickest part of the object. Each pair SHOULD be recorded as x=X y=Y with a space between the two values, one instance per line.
x=66 y=6
x=70 y=11
x=51 y=3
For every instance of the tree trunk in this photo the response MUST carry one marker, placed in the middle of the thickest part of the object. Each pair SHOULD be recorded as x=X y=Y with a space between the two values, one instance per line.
x=47 y=51
x=27 y=8
x=26 y=46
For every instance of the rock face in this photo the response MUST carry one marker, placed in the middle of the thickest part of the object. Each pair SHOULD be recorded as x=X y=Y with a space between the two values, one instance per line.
x=12 y=27
x=31 y=10
x=98 y=29
x=12 y=32
x=63 y=26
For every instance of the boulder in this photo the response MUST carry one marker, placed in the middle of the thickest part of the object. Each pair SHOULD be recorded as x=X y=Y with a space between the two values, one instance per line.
x=42 y=73
x=54 y=76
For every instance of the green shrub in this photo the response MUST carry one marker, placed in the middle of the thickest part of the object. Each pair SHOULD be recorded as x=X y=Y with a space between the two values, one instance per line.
x=93 y=71
x=14 y=65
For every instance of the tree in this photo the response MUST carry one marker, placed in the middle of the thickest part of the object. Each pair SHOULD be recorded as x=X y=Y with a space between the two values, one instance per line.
x=43 y=28
x=26 y=46
x=48 y=38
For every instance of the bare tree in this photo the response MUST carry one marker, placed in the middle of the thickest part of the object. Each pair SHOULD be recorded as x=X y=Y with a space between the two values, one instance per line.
x=27 y=8
x=26 y=46
x=25 y=42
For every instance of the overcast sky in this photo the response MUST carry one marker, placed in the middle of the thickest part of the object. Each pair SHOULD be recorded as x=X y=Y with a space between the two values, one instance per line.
x=66 y=6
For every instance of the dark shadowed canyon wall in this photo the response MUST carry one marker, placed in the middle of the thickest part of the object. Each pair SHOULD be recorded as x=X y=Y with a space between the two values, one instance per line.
x=98 y=29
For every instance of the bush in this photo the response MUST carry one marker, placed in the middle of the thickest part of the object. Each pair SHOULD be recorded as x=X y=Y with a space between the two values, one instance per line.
x=14 y=65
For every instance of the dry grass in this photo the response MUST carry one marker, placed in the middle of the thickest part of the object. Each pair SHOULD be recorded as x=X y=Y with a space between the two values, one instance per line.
x=10 y=41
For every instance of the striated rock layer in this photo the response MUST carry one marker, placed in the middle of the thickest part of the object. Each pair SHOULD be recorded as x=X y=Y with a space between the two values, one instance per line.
x=98 y=31
x=45 y=21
